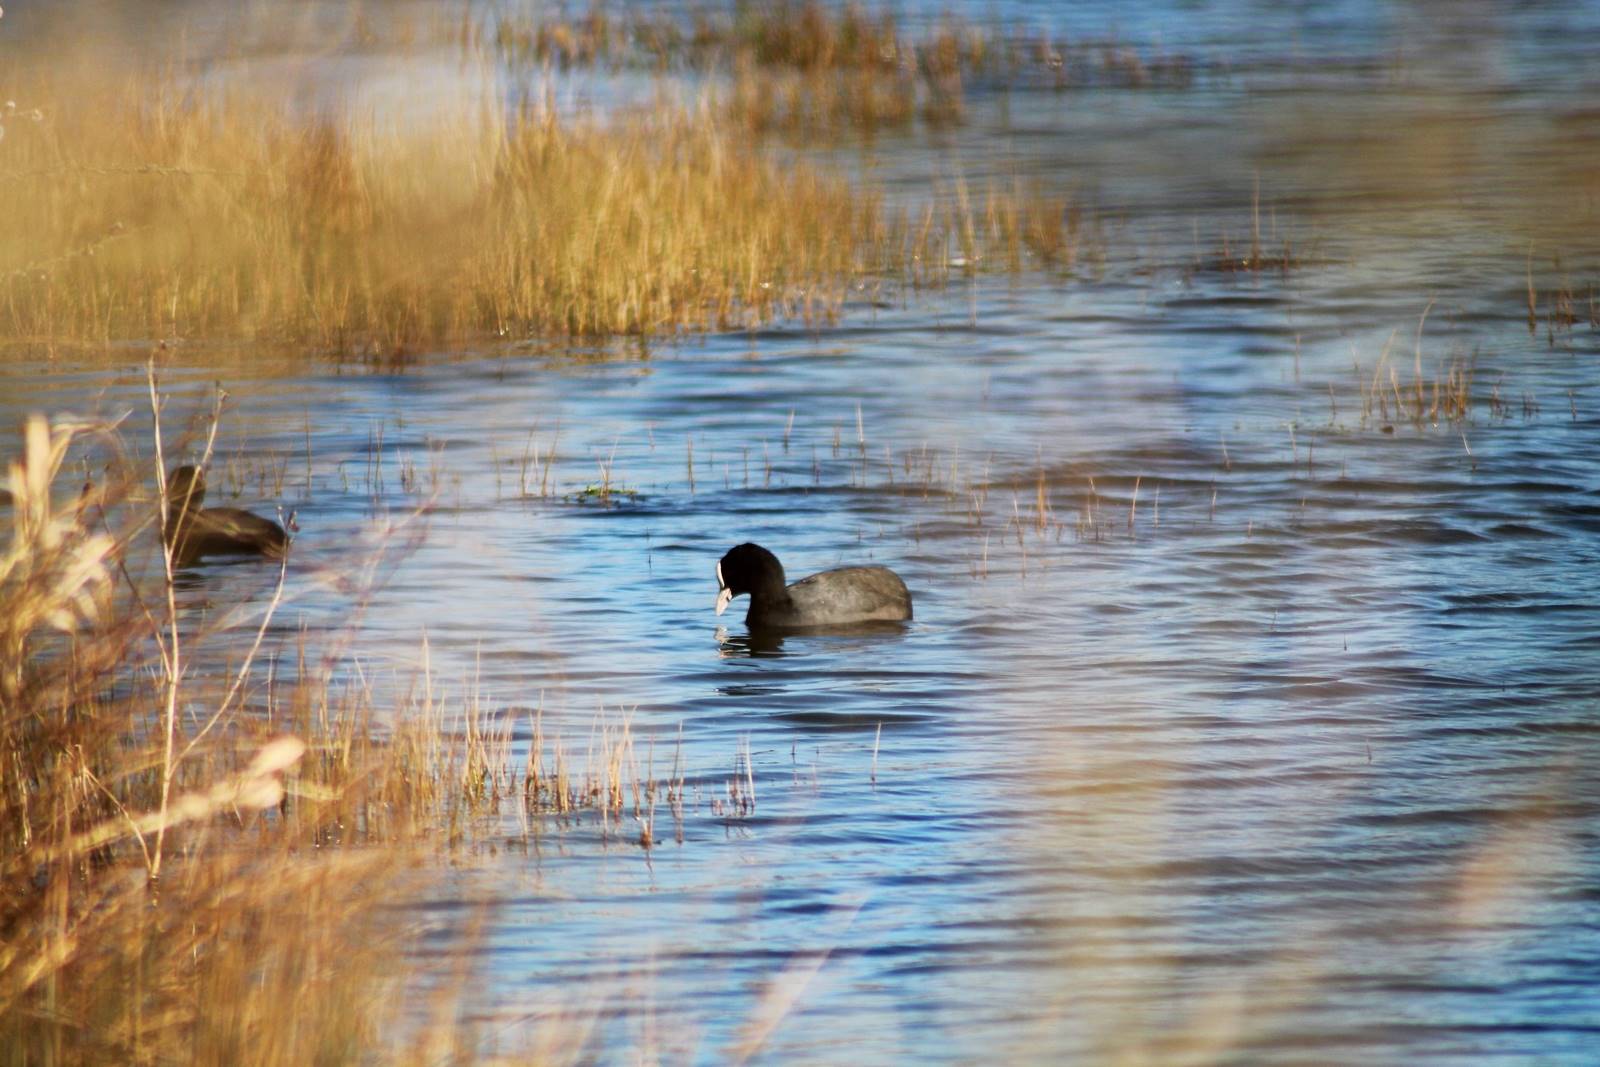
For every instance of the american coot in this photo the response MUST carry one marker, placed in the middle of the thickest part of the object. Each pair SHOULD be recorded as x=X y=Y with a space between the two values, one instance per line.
x=193 y=531
x=832 y=598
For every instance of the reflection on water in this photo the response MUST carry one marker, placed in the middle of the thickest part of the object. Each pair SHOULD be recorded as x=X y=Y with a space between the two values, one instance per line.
x=841 y=640
x=1243 y=718
x=749 y=645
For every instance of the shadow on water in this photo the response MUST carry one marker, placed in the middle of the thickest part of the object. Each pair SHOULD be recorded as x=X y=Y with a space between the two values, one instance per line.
x=216 y=567
x=754 y=644
x=835 y=640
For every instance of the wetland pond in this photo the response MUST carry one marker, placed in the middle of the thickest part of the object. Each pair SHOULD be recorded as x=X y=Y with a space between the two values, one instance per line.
x=1249 y=709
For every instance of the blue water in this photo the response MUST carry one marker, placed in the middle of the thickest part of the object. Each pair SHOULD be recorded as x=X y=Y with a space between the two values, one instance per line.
x=1270 y=738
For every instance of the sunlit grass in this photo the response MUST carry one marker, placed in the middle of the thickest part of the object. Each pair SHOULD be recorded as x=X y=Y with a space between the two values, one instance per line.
x=161 y=857
x=204 y=864
x=210 y=216
x=153 y=216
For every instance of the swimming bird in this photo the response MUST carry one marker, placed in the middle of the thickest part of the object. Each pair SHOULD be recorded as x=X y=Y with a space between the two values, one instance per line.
x=193 y=531
x=838 y=597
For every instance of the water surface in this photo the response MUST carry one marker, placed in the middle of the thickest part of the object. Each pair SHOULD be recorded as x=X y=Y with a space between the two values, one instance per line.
x=1243 y=717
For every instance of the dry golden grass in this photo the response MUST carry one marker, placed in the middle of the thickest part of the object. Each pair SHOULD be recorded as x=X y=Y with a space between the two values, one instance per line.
x=198 y=866
x=798 y=34
x=805 y=68
x=825 y=102
x=219 y=217
x=149 y=206
x=207 y=864
x=1446 y=398
x=156 y=865
x=802 y=68
x=158 y=215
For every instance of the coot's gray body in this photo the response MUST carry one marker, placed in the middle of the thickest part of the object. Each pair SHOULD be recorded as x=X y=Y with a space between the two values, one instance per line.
x=194 y=532
x=840 y=597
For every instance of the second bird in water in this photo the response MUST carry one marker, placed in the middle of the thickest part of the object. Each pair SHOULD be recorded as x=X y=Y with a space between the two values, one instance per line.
x=193 y=531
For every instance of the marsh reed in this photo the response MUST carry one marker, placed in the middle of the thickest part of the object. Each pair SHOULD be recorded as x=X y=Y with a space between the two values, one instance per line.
x=806 y=68
x=185 y=214
x=216 y=217
x=1445 y=398
x=170 y=840
x=203 y=808
x=152 y=207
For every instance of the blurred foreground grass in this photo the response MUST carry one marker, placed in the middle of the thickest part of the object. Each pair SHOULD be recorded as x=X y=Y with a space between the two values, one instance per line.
x=212 y=864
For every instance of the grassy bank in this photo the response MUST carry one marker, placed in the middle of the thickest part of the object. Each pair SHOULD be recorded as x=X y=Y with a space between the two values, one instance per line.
x=220 y=217
x=148 y=212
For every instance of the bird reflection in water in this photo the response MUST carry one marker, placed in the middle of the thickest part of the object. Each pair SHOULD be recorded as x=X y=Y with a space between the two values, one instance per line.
x=749 y=645
x=767 y=641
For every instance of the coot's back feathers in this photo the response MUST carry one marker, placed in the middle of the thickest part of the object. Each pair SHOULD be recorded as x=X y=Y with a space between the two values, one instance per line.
x=193 y=532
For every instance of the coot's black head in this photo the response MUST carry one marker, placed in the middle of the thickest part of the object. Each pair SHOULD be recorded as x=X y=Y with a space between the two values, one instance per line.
x=186 y=488
x=749 y=569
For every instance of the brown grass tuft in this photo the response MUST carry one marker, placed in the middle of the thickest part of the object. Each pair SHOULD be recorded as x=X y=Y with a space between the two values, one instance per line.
x=215 y=885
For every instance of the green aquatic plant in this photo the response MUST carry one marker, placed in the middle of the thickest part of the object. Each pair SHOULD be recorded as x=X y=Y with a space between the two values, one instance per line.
x=600 y=491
